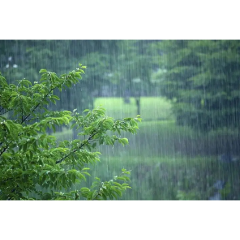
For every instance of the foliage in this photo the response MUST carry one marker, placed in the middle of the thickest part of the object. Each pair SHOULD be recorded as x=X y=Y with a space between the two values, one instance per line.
x=112 y=64
x=152 y=108
x=202 y=80
x=134 y=66
x=21 y=58
x=33 y=164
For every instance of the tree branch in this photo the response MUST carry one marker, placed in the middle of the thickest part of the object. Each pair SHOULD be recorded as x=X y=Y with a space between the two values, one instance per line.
x=76 y=149
x=4 y=149
x=24 y=119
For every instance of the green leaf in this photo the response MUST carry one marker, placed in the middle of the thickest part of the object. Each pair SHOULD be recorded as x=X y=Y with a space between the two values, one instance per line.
x=30 y=154
x=123 y=141
x=94 y=194
x=55 y=97
x=43 y=71
x=7 y=125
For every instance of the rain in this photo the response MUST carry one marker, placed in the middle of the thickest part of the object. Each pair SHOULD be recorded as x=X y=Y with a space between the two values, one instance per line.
x=187 y=93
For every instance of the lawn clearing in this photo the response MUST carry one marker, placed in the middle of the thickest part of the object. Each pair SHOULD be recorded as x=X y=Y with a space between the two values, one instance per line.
x=152 y=108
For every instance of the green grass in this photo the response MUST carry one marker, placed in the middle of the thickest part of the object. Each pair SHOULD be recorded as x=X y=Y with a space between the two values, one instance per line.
x=157 y=137
x=168 y=178
x=167 y=161
x=152 y=108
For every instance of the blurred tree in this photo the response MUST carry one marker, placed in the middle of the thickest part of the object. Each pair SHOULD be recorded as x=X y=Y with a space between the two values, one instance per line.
x=133 y=68
x=202 y=80
x=125 y=64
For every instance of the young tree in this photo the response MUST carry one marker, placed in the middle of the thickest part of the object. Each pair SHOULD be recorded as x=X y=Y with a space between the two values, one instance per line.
x=35 y=165
x=133 y=68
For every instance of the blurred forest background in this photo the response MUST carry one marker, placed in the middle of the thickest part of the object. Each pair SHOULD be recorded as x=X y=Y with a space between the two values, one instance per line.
x=186 y=91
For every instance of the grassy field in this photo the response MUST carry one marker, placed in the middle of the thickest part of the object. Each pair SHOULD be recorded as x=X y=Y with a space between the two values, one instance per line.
x=167 y=161
x=152 y=108
x=167 y=178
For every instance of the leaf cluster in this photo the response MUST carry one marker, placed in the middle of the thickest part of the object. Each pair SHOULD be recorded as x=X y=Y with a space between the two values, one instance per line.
x=34 y=164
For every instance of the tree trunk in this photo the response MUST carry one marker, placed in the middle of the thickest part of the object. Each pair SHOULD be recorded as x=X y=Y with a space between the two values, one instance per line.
x=138 y=105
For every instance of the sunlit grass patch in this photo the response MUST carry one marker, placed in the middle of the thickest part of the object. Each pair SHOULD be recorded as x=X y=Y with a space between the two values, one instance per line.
x=151 y=108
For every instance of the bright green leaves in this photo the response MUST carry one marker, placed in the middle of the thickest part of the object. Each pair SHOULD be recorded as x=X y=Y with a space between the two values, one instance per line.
x=53 y=98
x=43 y=71
x=128 y=125
x=23 y=83
x=96 y=127
x=123 y=141
x=36 y=165
x=6 y=125
x=53 y=121
x=3 y=82
x=98 y=112
x=9 y=134
x=112 y=189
